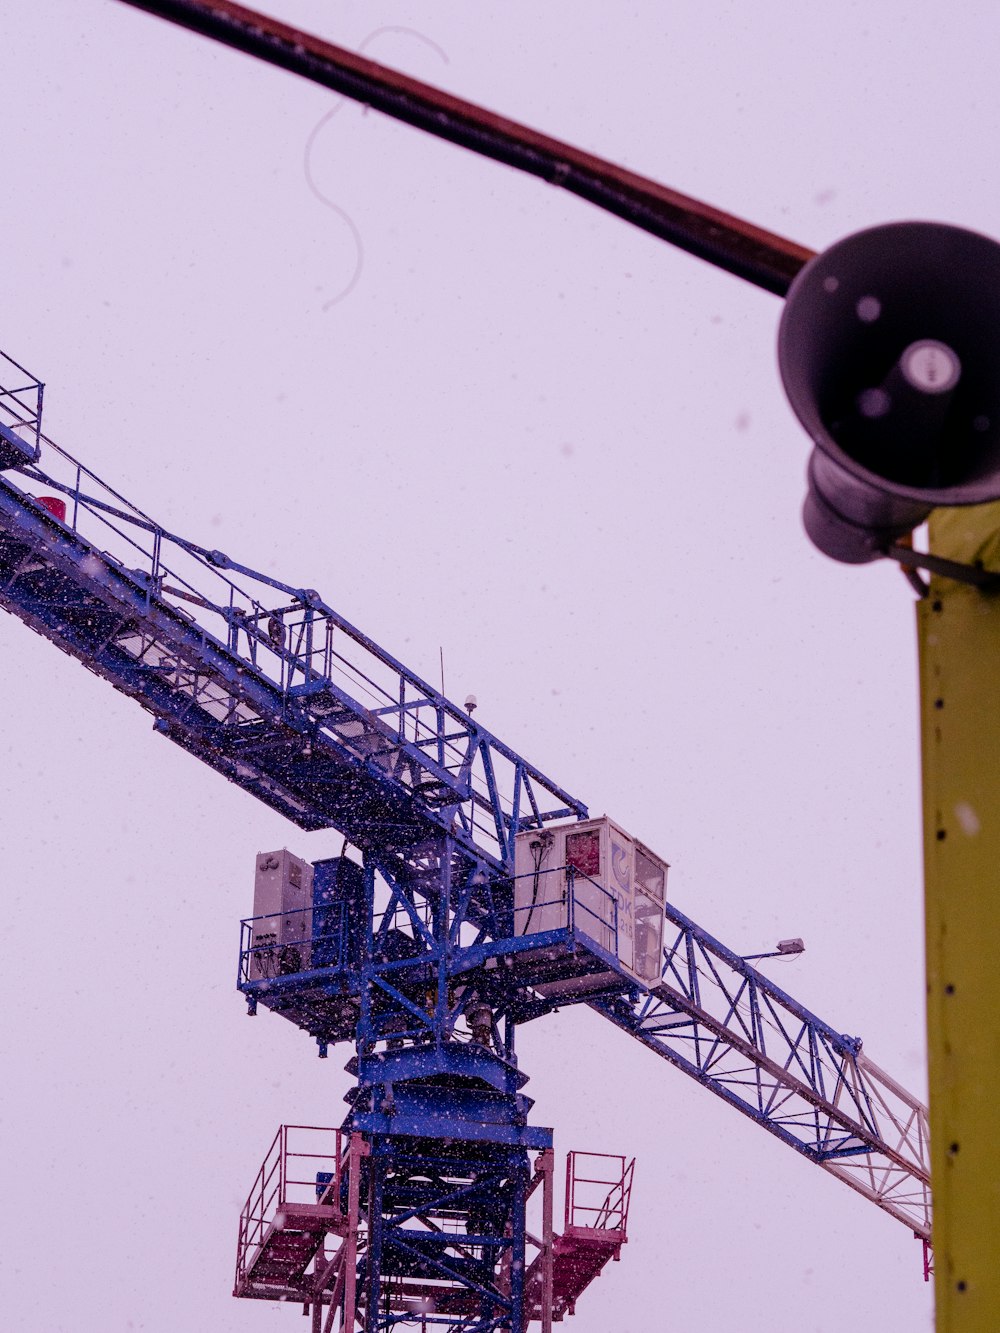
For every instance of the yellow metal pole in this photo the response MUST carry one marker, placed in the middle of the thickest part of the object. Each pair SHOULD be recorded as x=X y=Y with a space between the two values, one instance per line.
x=959 y=633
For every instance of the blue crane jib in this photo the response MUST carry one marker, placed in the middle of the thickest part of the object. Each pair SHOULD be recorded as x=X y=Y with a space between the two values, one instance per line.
x=260 y=680
x=480 y=896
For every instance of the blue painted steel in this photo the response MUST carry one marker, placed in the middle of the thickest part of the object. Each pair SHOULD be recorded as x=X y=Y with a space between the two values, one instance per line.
x=21 y=396
x=281 y=694
x=712 y=1015
x=722 y=1022
x=444 y=1090
x=337 y=906
x=431 y=955
x=468 y=1201
x=420 y=950
x=443 y=1113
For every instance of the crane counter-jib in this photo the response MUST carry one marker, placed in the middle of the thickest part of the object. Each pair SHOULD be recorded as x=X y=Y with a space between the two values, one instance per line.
x=260 y=679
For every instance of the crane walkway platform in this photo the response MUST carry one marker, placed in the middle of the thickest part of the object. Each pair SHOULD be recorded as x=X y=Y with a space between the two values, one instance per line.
x=562 y=949
x=294 y=1208
x=598 y=1193
x=278 y=1266
x=579 y=1257
x=294 y=1204
x=259 y=679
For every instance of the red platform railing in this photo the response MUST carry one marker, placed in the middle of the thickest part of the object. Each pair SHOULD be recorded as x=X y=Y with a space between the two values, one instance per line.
x=598 y=1190
x=303 y=1165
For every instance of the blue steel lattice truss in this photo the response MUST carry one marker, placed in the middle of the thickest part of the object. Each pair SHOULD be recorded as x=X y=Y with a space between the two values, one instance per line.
x=711 y=1014
x=266 y=683
x=261 y=680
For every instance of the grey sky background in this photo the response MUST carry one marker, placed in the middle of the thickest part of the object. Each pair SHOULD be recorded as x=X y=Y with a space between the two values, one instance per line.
x=539 y=440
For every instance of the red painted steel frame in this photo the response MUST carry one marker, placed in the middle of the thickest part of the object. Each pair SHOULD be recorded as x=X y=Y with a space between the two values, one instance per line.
x=615 y=1204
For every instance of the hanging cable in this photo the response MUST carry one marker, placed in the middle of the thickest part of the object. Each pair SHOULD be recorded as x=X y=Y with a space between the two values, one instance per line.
x=758 y=256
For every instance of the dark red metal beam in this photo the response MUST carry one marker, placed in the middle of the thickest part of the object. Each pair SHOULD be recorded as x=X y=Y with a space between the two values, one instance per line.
x=749 y=252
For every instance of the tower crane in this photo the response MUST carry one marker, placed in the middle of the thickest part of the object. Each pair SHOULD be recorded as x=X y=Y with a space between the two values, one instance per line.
x=473 y=895
x=886 y=348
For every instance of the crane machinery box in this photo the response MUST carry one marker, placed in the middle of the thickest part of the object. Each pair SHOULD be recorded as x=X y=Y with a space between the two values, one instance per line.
x=282 y=915
x=338 y=911
x=594 y=876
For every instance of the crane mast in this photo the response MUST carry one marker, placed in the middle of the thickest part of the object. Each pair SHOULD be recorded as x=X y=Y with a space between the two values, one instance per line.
x=431 y=940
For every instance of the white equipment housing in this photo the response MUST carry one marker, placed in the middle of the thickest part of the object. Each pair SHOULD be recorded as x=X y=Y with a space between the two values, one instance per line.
x=282 y=908
x=618 y=890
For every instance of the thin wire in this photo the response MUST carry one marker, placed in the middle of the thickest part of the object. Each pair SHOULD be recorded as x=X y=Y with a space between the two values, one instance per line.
x=345 y=217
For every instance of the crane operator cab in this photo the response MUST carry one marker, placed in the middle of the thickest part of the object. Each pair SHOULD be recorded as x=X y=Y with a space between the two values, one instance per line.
x=595 y=880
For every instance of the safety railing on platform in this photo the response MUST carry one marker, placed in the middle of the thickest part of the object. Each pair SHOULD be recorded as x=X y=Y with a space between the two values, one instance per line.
x=598 y=1190
x=358 y=694
x=304 y=1164
x=562 y=897
x=20 y=401
x=285 y=944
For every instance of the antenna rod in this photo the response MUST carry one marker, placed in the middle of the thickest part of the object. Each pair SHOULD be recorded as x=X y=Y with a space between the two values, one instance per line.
x=728 y=242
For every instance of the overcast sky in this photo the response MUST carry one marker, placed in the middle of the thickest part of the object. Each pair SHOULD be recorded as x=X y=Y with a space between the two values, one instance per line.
x=531 y=437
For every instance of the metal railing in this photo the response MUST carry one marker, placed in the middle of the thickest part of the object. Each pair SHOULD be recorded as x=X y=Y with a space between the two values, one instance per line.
x=280 y=1181
x=284 y=944
x=21 y=397
x=355 y=692
x=562 y=897
x=600 y=1199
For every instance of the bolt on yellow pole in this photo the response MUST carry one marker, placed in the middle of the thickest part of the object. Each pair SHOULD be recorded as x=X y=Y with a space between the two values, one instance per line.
x=959 y=635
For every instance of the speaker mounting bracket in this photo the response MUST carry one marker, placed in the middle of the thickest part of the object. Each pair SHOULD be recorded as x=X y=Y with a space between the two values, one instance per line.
x=986 y=580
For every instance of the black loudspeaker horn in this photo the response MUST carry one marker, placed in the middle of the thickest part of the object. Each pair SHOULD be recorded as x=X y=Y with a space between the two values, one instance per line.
x=889 y=350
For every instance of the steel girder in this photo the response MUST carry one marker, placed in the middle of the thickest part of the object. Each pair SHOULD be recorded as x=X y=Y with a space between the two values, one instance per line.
x=723 y=1023
x=259 y=679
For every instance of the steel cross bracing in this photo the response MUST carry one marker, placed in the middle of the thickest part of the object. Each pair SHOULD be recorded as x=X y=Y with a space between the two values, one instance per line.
x=261 y=680
x=712 y=1015
x=267 y=684
x=725 y=1024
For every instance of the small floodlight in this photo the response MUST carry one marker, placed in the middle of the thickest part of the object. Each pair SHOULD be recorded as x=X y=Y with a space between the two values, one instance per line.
x=784 y=949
